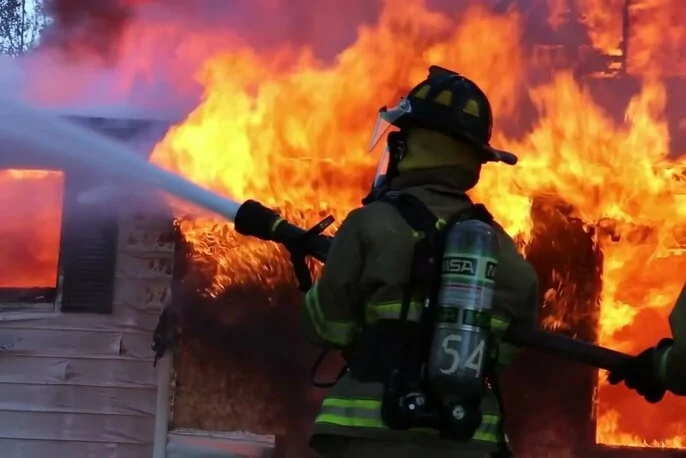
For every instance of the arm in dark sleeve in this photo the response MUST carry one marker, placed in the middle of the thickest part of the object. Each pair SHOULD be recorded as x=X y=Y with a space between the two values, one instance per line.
x=331 y=310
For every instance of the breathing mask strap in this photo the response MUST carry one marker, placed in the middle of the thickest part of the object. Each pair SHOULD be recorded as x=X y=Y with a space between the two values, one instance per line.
x=397 y=144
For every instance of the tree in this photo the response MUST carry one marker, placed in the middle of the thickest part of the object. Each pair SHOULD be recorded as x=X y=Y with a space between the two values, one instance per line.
x=21 y=22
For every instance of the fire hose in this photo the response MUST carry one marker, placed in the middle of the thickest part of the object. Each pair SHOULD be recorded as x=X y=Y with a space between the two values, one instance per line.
x=256 y=220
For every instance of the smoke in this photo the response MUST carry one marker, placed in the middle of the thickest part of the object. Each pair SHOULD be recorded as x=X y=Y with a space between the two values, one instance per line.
x=82 y=25
x=97 y=29
x=10 y=76
x=89 y=28
x=141 y=58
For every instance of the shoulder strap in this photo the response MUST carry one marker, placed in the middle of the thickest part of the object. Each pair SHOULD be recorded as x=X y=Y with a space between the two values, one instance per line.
x=479 y=212
x=422 y=219
x=413 y=211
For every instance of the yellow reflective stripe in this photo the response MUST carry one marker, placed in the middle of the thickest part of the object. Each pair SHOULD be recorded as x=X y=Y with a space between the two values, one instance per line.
x=335 y=332
x=499 y=325
x=485 y=437
x=662 y=368
x=505 y=352
x=276 y=223
x=366 y=413
x=363 y=413
x=352 y=403
x=347 y=421
x=313 y=308
x=391 y=311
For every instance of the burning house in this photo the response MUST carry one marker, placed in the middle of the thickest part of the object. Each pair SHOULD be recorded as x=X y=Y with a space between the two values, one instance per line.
x=586 y=92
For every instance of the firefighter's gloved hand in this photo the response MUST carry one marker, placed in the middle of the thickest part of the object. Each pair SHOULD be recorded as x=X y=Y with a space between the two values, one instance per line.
x=639 y=374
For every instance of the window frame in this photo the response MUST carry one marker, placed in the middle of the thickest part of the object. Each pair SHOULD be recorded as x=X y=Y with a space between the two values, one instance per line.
x=78 y=290
x=54 y=292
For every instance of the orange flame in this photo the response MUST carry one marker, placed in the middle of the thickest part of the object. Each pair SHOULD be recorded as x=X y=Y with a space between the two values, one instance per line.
x=290 y=131
x=31 y=210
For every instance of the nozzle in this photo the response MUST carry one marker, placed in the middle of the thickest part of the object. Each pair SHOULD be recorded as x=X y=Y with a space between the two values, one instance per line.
x=256 y=220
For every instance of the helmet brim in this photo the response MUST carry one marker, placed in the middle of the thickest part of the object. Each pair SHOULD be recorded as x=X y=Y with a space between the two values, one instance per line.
x=496 y=155
x=490 y=154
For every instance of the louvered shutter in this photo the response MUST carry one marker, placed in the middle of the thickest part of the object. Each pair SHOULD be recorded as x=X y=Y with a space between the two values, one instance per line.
x=89 y=243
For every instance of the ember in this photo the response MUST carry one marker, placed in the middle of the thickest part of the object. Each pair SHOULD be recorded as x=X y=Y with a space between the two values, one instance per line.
x=31 y=210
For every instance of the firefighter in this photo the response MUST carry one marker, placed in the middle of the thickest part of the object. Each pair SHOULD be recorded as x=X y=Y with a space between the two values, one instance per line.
x=438 y=140
x=660 y=368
